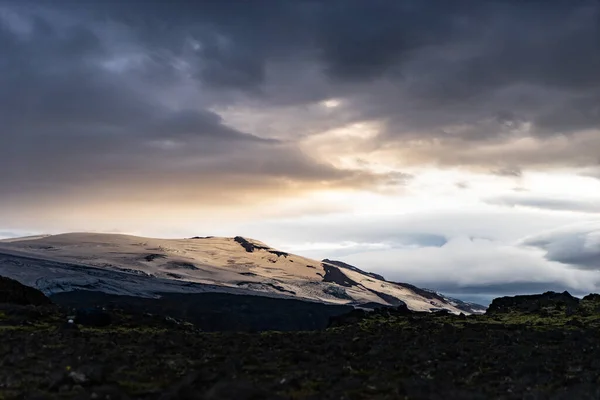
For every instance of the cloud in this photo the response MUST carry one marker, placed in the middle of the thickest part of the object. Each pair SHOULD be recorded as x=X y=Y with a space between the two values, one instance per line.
x=98 y=89
x=548 y=203
x=12 y=234
x=593 y=172
x=94 y=110
x=467 y=90
x=472 y=255
x=113 y=105
x=421 y=229
x=198 y=123
x=341 y=249
x=577 y=245
x=478 y=266
x=507 y=171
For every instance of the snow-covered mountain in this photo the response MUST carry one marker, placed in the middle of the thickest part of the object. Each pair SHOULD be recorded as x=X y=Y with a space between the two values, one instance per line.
x=130 y=265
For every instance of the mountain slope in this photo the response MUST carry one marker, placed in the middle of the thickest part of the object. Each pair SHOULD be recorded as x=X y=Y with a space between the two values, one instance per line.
x=136 y=266
x=432 y=295
x=13 y=292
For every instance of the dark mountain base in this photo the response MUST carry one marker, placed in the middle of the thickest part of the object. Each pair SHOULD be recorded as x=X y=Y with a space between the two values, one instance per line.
x=546 y=354
x=14 y=292
x=216 y=311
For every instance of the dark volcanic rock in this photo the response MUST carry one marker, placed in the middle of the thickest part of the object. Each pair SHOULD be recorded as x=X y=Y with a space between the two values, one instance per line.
x=593 y=298
x=280 y=288
x=590 y=304
x=353 y=268
x=394 y=301
x=174 y=276
x=334 y=275
x=13 y=292
x=181 y=265
x=152 y=257
x=271 y=285
x=537 y=303
x=250 y=247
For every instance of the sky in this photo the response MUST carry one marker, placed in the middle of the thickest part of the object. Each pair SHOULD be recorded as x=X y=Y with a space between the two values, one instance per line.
x=450 y=144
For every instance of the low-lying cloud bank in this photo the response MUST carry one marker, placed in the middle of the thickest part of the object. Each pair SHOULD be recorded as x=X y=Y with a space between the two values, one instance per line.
x=577 y=245
x=477 y=256
x=475 y=268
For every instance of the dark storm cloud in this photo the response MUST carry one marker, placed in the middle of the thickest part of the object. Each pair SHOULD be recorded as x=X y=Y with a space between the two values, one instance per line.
x=111 y=90
x=199 y=123
x=489 y=66
x=82 y=110
x=485 y=44
x=461 y=73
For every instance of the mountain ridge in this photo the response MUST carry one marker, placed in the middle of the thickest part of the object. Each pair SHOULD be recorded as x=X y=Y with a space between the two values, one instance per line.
x=144 y=267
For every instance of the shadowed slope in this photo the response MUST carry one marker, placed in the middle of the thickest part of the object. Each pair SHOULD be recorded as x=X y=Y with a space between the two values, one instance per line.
x=13 y=292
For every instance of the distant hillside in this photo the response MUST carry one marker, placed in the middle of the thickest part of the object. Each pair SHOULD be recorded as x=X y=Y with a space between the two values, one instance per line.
x=145 y=267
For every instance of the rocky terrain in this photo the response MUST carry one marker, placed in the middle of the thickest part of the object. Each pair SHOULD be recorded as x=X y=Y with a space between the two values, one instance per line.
x=528 y=347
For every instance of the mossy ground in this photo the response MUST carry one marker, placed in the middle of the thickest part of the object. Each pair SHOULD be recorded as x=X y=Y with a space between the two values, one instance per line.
x=515 y=355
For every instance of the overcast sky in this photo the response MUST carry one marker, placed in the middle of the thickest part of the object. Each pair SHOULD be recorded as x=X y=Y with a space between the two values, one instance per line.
x=453 y=144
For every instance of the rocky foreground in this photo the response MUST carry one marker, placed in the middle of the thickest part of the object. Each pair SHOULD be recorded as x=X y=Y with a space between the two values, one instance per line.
x=529 y=347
